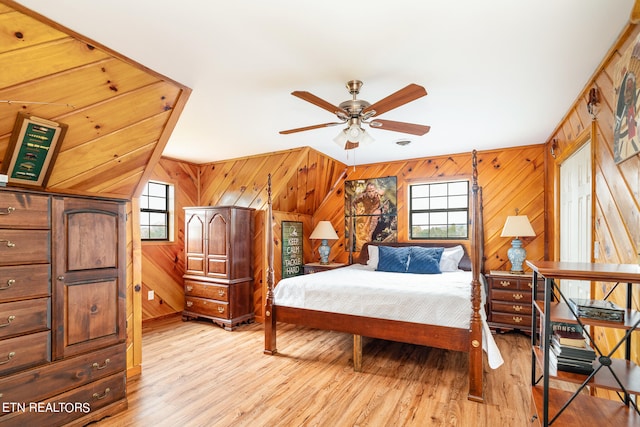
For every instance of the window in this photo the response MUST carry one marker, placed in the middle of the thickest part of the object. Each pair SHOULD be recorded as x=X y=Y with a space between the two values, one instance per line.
x=156 y=211
x=439 y=210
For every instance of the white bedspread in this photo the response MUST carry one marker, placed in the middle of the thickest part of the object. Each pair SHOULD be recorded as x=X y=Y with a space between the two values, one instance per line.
x=434 y=299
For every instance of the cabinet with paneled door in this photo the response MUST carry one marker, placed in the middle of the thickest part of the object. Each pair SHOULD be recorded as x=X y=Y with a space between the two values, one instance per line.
x=218 y=280
x=62 y=308
x=509 y=301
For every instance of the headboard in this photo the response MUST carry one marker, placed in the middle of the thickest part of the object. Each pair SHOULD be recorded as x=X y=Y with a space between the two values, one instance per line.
x=465 y=262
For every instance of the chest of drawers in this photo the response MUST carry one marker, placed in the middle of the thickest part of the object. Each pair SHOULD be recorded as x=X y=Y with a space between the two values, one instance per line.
x=509 y=301
x=62 y=312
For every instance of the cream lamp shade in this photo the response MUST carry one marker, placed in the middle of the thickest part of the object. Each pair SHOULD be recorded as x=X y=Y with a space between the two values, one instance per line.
x=517 y=226
x=324 y=231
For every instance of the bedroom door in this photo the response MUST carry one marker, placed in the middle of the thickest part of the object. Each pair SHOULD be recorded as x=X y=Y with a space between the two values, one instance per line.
x=575 y=216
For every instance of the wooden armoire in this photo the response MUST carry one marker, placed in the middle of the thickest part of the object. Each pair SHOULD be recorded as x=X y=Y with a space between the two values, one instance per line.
x=218 y=279
x=62 y=308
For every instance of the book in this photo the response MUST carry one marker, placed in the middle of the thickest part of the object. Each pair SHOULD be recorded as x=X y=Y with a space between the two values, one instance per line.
x=570 y=338
x=564 y=326
x=597 y=309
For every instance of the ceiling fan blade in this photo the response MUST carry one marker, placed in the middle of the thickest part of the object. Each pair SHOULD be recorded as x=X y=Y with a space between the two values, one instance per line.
x=309 y=97
x=395 y=100
x=323 y=125
x=391 y=125
x=351 y=145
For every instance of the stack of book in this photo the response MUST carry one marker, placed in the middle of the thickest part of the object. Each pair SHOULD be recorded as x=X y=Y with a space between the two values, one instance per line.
x=571 y=353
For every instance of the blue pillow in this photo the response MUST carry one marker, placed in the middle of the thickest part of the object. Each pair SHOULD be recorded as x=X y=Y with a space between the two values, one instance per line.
x=424 y=260
x=393 y=260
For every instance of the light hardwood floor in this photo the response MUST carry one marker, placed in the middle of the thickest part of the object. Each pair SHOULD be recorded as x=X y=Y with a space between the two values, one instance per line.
x=196 y=374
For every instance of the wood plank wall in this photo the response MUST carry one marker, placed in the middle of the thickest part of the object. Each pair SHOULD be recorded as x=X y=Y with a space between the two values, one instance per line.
x=163 y=262
x=308 y=186
x=616 y=201
x=120 y=113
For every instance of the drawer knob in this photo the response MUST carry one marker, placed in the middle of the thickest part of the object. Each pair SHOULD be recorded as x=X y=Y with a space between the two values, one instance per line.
x=518 y=296
x=221 y=292
x=9 y=357
x=9 y=284
x=99 y=367
x=517 y=319
x=517 y=307
x=60 y=278
x=9 y=320
x=189 y=303
x=220 y=309
x=103 y=395
x=189 y=288
x=7 y=211
x=10 y=244
x=505 y=283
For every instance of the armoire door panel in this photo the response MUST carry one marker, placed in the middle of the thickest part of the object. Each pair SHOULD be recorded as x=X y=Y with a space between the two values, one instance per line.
x=91 y=311
x=84 y=230
x=218 y=228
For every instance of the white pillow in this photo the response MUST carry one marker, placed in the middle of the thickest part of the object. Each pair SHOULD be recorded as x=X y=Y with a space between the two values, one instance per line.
x=451 y=258
x=373 y=256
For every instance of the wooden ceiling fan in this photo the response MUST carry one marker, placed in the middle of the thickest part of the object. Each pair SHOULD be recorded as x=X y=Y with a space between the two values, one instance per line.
x=357 y=112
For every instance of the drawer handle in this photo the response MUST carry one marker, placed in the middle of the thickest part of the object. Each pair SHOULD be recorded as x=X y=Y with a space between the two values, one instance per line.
x=10 y=244
x=7 y=211
x=9 y=284
x=517 y=319
x=10 y=356
x=505 y=284
x=530 y=285
x=221 y=292
x=220 y=309
x=189 y=288
x=103 y=395
x=517 y=307
x=98 y=367
x=9 y=320
x=518 y=296
x=189 y=303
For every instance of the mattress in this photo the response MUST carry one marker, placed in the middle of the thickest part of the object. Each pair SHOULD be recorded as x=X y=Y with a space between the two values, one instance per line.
x=434 y=299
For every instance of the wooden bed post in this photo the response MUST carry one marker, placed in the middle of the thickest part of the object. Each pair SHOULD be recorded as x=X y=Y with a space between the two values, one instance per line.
x=269 y=315
x=475 y=338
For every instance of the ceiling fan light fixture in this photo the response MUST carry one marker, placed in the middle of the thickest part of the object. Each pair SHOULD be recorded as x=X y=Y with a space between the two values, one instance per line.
x=354 y=132
x=341 y=139
x=366 y=139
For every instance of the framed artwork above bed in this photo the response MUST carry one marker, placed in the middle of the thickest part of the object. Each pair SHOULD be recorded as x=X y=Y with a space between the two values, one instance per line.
x=370 y=211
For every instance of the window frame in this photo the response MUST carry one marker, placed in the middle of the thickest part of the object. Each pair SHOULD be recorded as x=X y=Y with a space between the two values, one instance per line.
x=167 y=212
x=447 y=210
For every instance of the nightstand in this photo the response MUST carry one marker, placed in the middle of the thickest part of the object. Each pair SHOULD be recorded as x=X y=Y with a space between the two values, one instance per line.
x=509 y=301
x=314 y=267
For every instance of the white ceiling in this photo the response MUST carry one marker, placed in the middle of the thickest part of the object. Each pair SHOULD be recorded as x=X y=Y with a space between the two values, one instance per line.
x=498 y=73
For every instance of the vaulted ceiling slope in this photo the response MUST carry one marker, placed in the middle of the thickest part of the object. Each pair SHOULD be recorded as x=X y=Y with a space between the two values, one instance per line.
x=498 y=72
x=119 y=113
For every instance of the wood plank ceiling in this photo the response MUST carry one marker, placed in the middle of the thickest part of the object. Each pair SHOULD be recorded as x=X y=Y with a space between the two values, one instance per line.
x=120 y=114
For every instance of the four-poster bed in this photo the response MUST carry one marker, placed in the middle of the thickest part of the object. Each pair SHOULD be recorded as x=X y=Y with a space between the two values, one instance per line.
x=469 y=337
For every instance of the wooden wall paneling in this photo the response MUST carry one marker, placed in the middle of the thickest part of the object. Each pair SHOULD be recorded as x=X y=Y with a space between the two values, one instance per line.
x=83 y=86
x=94 y=90
x=134 y=163
x=237 y=181
x=260 y=263
x=34 y=62
x=163 y=262
x=33 y=31
x=133 y=295
x=106 y=150
x=616 y=186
